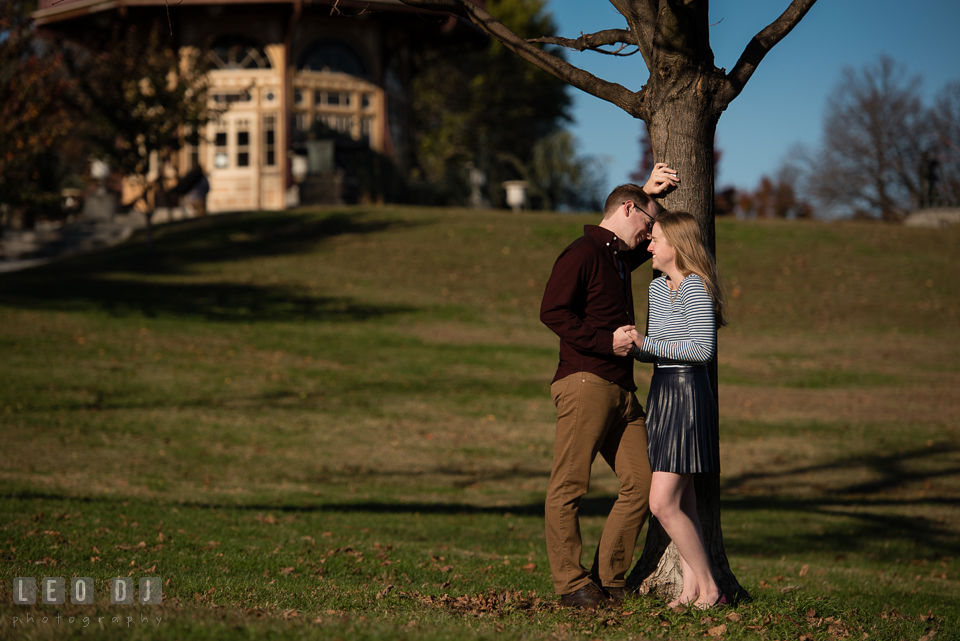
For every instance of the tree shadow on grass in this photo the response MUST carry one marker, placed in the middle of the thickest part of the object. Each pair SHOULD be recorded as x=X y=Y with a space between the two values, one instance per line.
x=228 y=237
x=850 y=519
x=90 y=281
x=853 y=516
x=209 y=301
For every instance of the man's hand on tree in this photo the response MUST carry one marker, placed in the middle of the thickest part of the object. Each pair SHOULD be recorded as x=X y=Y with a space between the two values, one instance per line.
x=662 y=180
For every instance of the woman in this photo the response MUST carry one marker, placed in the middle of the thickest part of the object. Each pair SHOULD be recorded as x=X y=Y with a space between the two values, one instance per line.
x=685 y=311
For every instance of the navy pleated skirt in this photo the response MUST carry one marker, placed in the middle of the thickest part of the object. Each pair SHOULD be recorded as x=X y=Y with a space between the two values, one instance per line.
x=682 y=431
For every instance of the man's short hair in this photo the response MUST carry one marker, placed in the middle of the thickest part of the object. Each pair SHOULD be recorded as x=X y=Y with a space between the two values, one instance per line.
x=623 y=193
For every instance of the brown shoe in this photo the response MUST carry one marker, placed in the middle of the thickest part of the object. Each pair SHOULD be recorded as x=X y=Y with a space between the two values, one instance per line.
x=589 y=596
x=616 y=594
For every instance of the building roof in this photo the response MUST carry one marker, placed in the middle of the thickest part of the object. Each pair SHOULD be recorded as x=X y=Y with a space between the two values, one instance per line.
x=50 y=11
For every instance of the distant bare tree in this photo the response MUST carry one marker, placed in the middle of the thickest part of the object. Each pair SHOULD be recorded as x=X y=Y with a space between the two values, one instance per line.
x=946 y=121
x=775 y=197
x=875 y=136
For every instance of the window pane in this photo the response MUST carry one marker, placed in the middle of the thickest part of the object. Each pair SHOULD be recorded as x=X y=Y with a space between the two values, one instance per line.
x=269 y=140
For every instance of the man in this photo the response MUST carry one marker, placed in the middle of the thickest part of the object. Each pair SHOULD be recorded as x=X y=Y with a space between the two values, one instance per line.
x=588 y=303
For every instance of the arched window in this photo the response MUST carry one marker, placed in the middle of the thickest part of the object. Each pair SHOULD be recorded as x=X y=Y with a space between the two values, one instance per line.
x=238 y=52
x=332 y=55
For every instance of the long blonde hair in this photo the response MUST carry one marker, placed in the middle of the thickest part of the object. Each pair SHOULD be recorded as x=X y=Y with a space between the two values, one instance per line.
x=683 y=233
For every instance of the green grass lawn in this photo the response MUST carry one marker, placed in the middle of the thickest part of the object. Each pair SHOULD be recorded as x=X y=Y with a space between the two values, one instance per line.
x=336 y=424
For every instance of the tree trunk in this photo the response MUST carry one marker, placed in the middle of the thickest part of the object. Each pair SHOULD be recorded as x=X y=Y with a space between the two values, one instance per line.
x=681 y=134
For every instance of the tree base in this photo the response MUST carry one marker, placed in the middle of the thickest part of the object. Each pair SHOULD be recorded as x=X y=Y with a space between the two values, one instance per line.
x=659 y=571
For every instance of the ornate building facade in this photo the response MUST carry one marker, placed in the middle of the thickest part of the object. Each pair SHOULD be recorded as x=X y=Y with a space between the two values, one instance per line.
x=301 y=80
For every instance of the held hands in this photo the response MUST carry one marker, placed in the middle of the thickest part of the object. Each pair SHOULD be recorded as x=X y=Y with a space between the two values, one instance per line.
x=662 y=180
x=634 y=336
x=622 y=342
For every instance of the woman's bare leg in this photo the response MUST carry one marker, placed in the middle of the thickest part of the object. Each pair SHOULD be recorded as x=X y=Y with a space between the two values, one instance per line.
x=672 y=499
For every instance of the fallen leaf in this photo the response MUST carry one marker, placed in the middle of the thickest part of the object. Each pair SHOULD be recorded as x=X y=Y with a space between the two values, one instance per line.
x=446 y=568
x=286 y=571
x=718 y=631
x=804 y=569
x=929 y=635
x=733 y=616
x=384 y=592
x=529 y=567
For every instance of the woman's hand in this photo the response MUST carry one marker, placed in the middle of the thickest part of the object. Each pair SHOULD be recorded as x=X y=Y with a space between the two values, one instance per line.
x=635 y=336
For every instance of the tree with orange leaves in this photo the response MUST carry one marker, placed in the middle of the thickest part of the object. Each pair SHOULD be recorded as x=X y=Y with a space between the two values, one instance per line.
x=33 y=116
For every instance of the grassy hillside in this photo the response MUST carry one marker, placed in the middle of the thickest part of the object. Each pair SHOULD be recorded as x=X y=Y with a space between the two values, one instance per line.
x=336 y=423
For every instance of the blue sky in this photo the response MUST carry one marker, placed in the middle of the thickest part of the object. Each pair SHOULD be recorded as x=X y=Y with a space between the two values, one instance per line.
x=784 y=102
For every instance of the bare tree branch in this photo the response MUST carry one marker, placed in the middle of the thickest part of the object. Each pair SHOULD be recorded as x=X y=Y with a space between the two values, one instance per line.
x=583 y=80
x=758 y=47
x=451 y=6
x=592 y=40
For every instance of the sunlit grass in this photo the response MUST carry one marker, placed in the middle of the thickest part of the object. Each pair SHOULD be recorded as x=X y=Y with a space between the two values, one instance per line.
x=284 y=415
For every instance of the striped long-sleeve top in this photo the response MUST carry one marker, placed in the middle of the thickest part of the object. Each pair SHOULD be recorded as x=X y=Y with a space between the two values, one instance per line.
x=681 y=331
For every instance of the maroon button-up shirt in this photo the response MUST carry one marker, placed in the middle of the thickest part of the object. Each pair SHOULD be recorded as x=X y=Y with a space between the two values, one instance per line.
x=589 y=295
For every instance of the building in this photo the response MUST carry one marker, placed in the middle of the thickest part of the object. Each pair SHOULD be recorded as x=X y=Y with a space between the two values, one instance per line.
x=305 y=83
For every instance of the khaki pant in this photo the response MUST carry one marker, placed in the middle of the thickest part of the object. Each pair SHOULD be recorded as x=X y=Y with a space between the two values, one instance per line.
x=595 y=415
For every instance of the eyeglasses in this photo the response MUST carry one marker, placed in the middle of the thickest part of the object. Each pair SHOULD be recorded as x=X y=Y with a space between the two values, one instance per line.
x=646 y=216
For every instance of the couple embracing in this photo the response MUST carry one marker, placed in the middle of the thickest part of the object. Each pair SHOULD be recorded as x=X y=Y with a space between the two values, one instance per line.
x=588 y=303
